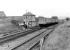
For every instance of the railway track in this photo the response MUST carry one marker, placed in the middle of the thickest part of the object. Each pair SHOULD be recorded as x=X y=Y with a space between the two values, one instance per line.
x=31 y=42
x=6 y=34
x=18 y=35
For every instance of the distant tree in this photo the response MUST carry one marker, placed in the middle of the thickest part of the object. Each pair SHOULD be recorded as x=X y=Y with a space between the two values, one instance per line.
x=54 y=17
x=15 y=22
x=67 y=18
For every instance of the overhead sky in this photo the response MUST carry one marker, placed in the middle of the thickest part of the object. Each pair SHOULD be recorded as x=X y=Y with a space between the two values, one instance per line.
x=46 y=8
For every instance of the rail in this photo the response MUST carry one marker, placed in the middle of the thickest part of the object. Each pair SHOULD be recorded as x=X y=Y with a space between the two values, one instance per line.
x=28 y=44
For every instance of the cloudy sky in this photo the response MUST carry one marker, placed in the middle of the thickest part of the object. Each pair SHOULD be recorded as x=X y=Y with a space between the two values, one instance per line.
x=44 y=8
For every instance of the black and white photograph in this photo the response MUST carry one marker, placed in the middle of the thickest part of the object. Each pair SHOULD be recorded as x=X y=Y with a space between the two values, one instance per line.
x=34 y=24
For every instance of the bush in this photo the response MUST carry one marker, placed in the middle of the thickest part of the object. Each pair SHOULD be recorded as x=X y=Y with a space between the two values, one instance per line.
x=15 y=22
